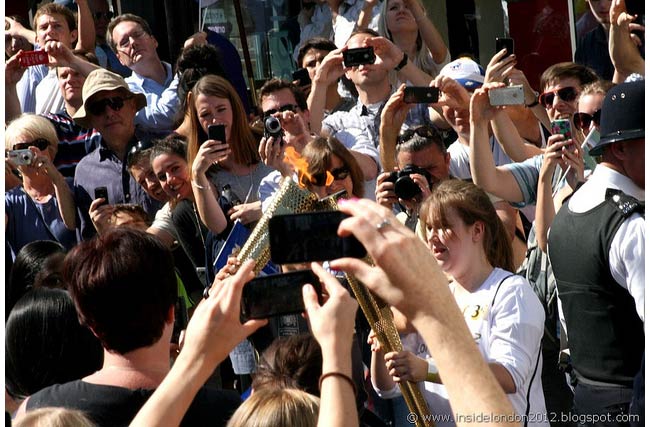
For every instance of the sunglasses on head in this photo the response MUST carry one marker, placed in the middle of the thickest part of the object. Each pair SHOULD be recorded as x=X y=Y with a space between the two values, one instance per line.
x=583 y=120
x=320 y=179
x=137 y=148
x=421 y=131
x=99 y=15
x=40 y=143
x=287 y=107
x=115 y=102
x=566 y=94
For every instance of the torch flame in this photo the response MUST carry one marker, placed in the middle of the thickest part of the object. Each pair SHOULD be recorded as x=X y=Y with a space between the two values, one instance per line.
x=300 y=165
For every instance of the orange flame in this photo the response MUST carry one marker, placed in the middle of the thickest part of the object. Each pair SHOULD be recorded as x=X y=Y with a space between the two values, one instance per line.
x=300 y=165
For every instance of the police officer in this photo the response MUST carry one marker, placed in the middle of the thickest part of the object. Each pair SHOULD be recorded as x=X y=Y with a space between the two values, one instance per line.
x=596 y=246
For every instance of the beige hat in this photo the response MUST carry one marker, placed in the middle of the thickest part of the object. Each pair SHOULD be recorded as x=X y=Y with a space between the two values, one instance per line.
x=100 y=80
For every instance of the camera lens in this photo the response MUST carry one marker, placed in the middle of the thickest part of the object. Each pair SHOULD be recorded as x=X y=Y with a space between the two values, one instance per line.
x=406 y=188
x=272 y=126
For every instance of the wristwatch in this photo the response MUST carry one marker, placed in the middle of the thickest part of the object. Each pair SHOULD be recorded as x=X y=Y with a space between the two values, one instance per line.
x=403 y=62
x=535 y=102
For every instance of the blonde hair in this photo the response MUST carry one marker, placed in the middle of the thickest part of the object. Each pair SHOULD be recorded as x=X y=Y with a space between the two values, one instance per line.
x=423 y=59
x=277 y=408
x=54 y=417
x=33 y=127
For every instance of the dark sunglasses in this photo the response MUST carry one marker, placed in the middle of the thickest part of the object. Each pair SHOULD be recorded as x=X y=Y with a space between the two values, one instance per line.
x=115 y=102
x=566 y=94
x=40 y=143
x=137 y=148
x=287 y=107
x=583 y=120
x=108 y=15
x=320 y=179
x=421 y=131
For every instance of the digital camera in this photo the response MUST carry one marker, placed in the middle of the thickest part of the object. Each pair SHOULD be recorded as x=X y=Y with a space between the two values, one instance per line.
x=21 y=157
x=273 y=128
x=405 y=187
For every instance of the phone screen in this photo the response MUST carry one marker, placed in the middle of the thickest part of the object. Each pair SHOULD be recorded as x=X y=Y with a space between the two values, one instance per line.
x=310 y=237
x=277 y=294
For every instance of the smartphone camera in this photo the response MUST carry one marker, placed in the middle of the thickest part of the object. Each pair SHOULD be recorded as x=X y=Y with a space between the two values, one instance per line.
x=273 y=128
x=509 y=95
x=21 y=157
x=359 y=56
x=405 y=187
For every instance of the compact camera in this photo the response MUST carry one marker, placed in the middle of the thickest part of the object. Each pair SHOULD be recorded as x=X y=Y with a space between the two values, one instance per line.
x=405 y=187
x=21 y=157
x=273 y=128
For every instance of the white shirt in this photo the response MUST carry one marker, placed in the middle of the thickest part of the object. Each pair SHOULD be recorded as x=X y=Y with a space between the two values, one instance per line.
x=627 y=252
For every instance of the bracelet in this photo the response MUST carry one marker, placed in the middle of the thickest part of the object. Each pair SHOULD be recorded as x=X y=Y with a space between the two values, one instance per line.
x=403 y=62
x=339 y=375
x=535 y=102
x=200 y=187
x=432 y=372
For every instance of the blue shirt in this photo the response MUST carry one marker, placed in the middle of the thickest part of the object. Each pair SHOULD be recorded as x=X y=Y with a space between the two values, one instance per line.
x=102 y=168
x=26 y=87
x=28 y=221
x=74 y=142
x=157 y=118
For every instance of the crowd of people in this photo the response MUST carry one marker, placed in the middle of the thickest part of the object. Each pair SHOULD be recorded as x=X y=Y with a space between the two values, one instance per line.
x=510 y=251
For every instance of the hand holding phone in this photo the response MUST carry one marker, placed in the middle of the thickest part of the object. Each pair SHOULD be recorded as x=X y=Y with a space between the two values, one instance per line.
x=30 y=58
x=302 y=76
x=561 y=127
x=507 y=43
x=217 y=132
x=509 y=95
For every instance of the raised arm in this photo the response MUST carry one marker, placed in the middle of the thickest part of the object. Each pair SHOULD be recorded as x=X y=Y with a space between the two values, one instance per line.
x=65 y=200
x=365 y=15
x=485 y=173
x=517 y=77
x=623 y=45
x=13 y=73
x=392 y=118
x=204 y=195
x=403 y=264
x=429 y=33
x=85 y=27
x=328 y=72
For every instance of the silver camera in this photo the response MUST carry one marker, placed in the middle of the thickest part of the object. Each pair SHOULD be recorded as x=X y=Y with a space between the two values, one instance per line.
x=509 y=95
x=21 y=157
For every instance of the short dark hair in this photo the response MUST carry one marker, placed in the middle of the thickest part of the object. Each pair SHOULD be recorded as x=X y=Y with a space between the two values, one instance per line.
x=170 y=145
x=418 y=142
x=567 y=70
x=125 y=17
x=318 y=43
x=368 y=31
x=275 y=85
x=123 y=284
x=44 y=323
x=133 y=210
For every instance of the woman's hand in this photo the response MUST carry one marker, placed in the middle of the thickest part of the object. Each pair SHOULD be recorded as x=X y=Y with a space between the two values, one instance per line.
x=375 y=345
x=246 y=212
x=11 y=180
x=210 y=152
x=500 y=67
x=406 y=366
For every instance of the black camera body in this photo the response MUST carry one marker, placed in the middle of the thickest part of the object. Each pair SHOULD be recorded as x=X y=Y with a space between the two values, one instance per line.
x=273 y=128
x=405 y=187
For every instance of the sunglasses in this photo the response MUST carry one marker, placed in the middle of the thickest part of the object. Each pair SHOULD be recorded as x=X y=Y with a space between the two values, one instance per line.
x=137 y=148
x=287 y=107
x=107 y=15
x=583 y=120
x=115 y=102
x=40 y=143
x=566 y=94
x=421 y=131
x=320 y=179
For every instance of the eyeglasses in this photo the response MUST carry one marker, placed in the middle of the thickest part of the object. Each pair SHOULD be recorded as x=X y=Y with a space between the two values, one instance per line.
x=566 y=94
x=40 y=143
x=583 y=120
x=287 y=107
x=115 y=102
x=126 y=41
x=421 y=131
x=107 y=15
x=320 y=179
x=137 y=148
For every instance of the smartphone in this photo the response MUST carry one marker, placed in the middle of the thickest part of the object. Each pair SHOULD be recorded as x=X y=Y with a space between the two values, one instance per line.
x=217 y=132
x=509 y=95
x=21 y=157
x=102 y=192
x=507 y=43
x=33 y=57
x=277 y=294
x=421 y=94
x=561 y=127
x=358 y=56
x=302 y=75
x=310 y=236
